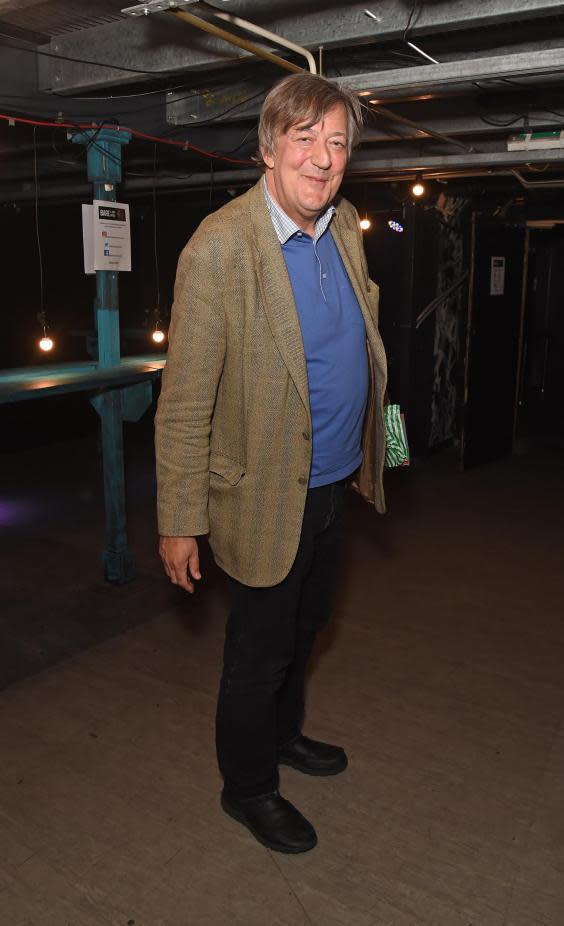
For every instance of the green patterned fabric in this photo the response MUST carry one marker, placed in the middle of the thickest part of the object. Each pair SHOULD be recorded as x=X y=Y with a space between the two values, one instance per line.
x=397 y=450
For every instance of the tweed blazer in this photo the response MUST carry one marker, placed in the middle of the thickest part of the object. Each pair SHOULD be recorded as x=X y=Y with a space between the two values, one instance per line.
x=233 y=424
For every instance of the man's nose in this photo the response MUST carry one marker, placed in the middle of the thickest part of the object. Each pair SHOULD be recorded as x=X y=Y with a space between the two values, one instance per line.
x=321 y=155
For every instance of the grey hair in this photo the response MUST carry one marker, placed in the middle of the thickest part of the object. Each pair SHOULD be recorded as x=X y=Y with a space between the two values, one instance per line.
x=300 y=98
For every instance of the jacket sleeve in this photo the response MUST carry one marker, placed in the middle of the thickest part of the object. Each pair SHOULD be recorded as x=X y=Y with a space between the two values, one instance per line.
x=189 y=388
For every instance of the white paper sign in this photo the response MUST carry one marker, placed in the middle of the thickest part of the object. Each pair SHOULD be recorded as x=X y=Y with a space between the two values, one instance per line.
x=112 y=236
x=88 y=237
x=497 y=276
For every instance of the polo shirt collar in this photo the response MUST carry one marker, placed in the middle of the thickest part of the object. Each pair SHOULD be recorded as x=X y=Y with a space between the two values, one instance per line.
x=284 y=226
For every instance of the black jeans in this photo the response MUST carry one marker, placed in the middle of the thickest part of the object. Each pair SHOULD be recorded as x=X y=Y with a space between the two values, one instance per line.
x=269 y=637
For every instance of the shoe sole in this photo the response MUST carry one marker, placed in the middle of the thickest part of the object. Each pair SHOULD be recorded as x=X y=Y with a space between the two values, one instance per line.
x=321 y=773
x=267 y=843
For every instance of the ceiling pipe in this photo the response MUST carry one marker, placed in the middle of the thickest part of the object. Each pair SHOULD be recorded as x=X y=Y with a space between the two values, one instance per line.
x=537 y=184
x=229 y=178
x=62 y=190
x=232 y=39
x=394 y=117
x=264 y=34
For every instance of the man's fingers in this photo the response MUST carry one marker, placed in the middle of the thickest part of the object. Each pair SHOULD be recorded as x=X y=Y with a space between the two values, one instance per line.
x=181 y=578
x=194 y=565
x=180 y=560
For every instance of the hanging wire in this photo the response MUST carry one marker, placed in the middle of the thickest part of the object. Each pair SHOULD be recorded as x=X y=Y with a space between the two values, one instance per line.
x=211 y=185
x=41 y=317
x=414 y=10
x=155 y=248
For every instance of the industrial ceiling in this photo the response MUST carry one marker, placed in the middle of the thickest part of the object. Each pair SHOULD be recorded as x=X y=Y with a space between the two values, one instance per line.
x=452 y=88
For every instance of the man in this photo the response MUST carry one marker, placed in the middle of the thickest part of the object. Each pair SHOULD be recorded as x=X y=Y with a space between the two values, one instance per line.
x=272 y=398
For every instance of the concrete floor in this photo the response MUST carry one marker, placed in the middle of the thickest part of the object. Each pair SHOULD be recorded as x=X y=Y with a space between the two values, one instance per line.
x=442 y=675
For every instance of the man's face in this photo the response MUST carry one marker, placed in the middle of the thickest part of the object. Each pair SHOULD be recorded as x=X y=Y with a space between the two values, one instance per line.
x=306 y=168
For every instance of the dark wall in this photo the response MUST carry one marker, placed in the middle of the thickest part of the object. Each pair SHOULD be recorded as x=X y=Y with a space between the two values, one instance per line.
x=406 y=268
x=404 y=265
x=69 y=293
x=69 y=296
x=541 y=409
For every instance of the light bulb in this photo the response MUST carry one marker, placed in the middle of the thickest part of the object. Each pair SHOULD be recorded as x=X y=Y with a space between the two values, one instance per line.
x=46 y=344
x=418 y=189
x=395 y=226
x=365 y=223
x=158 y=336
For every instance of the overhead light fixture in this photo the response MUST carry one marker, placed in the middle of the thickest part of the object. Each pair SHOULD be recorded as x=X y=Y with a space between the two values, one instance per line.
x=365 y=223
x=158 y=336
x=46 y=344
x=395 y=226
x=418 y=188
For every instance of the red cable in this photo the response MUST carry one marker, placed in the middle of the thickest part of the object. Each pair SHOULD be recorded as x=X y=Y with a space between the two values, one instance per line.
x=185 y=145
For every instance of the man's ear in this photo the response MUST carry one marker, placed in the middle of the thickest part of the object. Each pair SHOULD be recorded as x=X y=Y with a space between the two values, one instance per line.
x=267 y=158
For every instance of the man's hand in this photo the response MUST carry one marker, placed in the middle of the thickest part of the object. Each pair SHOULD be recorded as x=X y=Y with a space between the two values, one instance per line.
x=181 y=560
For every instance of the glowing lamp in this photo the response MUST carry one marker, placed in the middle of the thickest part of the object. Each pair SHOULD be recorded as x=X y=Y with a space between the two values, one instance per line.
x=365 y=224
x=158 y=336
x=418 y=189
x=395 y=226
x=46 y=344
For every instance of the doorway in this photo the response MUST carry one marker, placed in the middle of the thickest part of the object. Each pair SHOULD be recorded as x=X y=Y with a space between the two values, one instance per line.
x=493 y=340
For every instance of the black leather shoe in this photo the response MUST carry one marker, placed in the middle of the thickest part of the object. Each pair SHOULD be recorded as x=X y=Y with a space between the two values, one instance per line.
x=275 y=822
x=312 y=757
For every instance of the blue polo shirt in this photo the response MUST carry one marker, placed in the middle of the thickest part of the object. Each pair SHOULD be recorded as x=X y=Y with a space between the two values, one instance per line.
x=334 y=339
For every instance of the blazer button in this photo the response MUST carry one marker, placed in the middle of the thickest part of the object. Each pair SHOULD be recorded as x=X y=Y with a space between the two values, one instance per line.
x=302 y=480
x=305 y=435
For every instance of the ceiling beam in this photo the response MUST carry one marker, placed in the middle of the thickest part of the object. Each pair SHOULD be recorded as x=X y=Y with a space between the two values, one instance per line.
x=488 y=159
x=431 y=79
x=160 y=44
x=360 y=168
x=482 y=116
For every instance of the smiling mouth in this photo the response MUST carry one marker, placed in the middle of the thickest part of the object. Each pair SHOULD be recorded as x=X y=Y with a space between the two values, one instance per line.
x=318 y=179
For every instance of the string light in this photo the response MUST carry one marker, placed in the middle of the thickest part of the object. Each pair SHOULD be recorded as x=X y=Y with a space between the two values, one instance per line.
x=395 y=226
x=157 y=335
x=45 y=343
x=418 y=189
x=365 y=223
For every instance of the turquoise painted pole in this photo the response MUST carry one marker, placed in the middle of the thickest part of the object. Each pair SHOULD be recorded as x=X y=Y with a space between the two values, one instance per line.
x=103 y=148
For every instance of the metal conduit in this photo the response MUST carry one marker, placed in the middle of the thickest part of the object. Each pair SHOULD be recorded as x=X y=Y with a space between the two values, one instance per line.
x=265 y=34
x=232 y=39
x=537 y=184
x=394 y=117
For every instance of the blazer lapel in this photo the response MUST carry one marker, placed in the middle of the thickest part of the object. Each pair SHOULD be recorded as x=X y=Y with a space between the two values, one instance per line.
x=278 y=296
x=346 y=239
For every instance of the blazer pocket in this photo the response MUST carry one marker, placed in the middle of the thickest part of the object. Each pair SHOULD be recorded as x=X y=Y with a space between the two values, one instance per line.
x=228 y=469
